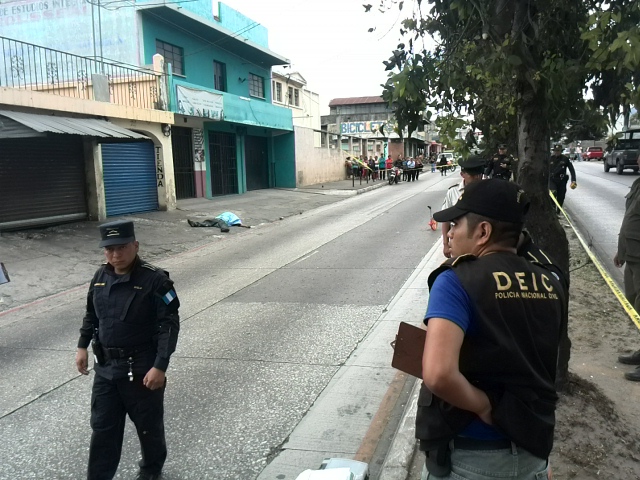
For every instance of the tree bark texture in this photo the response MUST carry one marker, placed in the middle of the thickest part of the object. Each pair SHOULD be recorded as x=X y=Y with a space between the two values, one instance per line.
x=542 y=222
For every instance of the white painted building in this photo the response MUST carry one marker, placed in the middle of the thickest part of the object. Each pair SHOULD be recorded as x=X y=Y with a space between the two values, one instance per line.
x=290 y=90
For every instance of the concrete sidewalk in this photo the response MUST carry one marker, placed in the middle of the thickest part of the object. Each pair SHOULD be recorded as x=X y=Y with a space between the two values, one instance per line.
x=315 y=437
x=45 y=261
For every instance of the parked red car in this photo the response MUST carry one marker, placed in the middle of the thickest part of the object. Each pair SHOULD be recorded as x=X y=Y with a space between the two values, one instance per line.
x=593 y=153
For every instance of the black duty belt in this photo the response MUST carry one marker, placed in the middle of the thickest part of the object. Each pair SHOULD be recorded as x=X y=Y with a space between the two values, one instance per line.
x=113 y=353
x=466 y=443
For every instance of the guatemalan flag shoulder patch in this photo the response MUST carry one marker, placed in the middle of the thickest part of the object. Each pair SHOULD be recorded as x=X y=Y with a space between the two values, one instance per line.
x=169 y=297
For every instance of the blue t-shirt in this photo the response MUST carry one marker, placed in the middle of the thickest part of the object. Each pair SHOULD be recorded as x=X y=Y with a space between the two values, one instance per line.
x=449 y=300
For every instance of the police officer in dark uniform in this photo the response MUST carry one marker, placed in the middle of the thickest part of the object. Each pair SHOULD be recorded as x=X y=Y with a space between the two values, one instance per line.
x=501 y=164
x=558 y=164
x=132 y=323
x=489 y=363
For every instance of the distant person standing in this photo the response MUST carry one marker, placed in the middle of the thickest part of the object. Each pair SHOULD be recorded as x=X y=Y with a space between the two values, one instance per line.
x=132 y=316
x=628 y=255
x=471 y=171
x=501 y=164
x=411 y=167
x=382 y=165
x=419 y=165
x=443 y=165
x=558 y=177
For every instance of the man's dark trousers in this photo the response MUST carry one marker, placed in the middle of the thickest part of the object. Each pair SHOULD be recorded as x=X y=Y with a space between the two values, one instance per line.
x=111 y=401
x=560 y=190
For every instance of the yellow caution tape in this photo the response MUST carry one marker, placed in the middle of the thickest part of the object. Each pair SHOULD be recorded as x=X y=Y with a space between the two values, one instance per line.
x=612 y=285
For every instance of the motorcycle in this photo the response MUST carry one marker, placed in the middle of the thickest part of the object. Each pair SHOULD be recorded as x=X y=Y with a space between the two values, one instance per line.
x=394 y=175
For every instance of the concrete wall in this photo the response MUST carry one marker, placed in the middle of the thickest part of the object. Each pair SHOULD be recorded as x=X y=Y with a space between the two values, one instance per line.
x=316 y=164
x=31 y=99
x=226 y=17
x=66 y=25
x=198 y=59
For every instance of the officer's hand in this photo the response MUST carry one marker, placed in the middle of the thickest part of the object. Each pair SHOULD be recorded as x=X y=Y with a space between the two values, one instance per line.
x=154 y=379
x=573 y=185
x=82 y=361
x=617 y=262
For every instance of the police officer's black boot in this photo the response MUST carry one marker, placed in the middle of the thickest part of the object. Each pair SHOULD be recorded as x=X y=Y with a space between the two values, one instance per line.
x=147 y=476
x=633 y=376
x=632 y=359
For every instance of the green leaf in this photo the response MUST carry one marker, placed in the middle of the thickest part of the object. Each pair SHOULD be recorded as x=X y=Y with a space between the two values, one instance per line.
x=515 y=60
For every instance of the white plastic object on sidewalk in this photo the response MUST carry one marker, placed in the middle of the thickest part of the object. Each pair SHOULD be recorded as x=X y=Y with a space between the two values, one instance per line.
x=332 y=474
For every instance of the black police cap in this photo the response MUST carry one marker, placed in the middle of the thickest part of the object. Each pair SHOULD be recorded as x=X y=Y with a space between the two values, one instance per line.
x=557 y=147
x=474 y=163
x=117 y=233
x=502 y=146
x=495 y=198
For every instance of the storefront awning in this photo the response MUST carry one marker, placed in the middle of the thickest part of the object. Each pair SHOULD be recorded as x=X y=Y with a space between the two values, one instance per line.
x=92 y=127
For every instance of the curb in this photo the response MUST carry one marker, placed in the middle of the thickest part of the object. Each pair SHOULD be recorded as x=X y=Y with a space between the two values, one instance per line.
x=399 y=458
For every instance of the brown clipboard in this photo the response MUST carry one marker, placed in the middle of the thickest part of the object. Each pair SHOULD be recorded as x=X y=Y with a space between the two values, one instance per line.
x=408 y=348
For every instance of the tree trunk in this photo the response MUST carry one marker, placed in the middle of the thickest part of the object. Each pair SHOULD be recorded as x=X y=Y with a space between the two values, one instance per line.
x=542 y=222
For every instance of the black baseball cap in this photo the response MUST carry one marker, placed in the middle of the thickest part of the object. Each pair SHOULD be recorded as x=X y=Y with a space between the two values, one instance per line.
x=117 y=233
x=495 y=198
x=502 y=146
x=474 y=164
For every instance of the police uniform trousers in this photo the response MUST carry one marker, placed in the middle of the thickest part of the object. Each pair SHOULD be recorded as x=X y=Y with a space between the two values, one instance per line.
x=632 y=284
x=111 y=402
x=559 y=187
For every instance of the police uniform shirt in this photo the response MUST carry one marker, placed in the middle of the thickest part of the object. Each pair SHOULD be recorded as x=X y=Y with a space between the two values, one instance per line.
x=138 y=310
x=558 y=169
x=496 y=165
x=453 y=194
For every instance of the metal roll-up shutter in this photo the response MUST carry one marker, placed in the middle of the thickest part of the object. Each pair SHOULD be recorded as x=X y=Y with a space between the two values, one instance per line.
x=129 y=172
x=42 y=181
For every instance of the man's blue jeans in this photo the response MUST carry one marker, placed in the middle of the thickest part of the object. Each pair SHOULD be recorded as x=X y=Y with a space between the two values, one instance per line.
x=505 y=464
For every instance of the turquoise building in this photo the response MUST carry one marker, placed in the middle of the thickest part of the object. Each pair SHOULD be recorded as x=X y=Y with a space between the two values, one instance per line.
x=228 y=137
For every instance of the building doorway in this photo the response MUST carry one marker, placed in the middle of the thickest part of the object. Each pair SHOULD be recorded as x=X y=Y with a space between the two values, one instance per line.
x=224 y=165
x=257 y=162
x=182 y=145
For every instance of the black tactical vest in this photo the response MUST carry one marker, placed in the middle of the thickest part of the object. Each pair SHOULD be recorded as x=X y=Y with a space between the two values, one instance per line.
x=511 y=356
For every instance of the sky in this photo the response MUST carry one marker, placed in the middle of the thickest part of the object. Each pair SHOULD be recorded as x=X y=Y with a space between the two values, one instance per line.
x=328 y=43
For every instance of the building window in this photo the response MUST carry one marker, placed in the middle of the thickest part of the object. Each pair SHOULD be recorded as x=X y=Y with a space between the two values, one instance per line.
x=277 y=91
x=219 y=76
x=256 y=86
x=296 y=97
x=173 y=55
x=290 y=96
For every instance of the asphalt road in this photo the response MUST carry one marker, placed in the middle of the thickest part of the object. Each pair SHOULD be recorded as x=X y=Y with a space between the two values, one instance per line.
x=597 y=208
x=268 y=320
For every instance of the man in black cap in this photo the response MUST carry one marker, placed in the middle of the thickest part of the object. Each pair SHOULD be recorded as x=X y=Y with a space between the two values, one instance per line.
x=501 y=164
x=132 y=323
x=489 y=363
x=471 y=171
x=558 y=164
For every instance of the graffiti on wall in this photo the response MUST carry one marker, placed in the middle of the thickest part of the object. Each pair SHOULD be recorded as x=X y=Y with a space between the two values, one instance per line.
x=21 y=12
x=198 y=144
